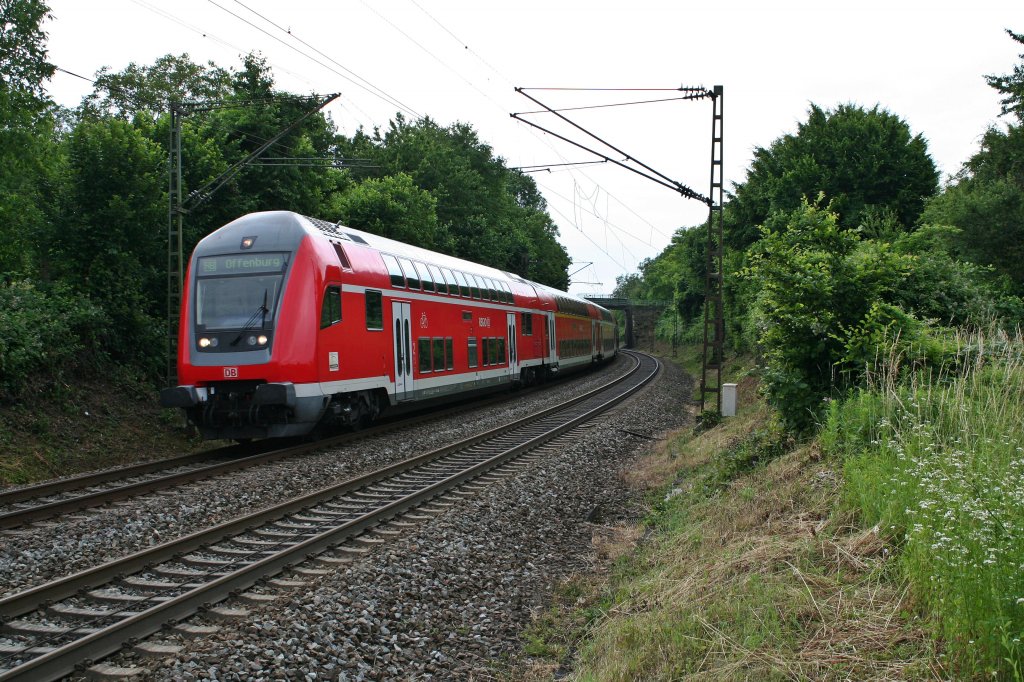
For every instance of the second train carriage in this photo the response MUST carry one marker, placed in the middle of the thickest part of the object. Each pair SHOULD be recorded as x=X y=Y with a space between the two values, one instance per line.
x=288 y=322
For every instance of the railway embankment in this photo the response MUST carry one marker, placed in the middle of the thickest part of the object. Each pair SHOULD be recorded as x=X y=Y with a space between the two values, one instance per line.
x=887 y=546
x=68 y=426
x=751 y=563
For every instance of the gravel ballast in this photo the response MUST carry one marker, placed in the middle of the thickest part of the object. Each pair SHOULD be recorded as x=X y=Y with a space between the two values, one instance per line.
x=449 y=597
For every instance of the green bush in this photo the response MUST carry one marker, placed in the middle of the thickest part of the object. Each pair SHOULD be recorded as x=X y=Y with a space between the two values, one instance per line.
x=43 y=335
x=816 y=287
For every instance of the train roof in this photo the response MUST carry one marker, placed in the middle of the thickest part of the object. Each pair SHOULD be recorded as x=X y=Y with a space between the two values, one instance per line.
x=283 y=229
x=378 y=243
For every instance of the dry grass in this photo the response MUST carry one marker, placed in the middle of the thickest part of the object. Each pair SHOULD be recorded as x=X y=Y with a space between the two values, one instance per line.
x=758 y=579
x=612 y=542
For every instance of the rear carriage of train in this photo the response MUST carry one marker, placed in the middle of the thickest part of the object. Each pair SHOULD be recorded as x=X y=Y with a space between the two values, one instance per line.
x=289 y=322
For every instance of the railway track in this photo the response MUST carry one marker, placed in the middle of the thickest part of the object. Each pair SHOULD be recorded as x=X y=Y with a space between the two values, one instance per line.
x=54 y=629
x=23 y=506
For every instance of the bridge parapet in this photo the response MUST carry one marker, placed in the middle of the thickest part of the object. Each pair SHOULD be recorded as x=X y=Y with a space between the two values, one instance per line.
x=616 y=303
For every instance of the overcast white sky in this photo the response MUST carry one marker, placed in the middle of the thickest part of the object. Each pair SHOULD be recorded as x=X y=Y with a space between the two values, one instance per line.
x=458 y=60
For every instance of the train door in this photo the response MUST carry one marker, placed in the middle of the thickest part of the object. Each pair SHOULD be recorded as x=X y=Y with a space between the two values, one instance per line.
x=513 y=346
x=400 y=314
x=552 y=356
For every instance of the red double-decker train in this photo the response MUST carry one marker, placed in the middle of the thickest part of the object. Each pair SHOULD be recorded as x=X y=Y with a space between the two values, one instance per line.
x=289 y=322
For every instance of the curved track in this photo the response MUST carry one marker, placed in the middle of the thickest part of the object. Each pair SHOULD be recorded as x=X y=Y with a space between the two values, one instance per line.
x=57 y=628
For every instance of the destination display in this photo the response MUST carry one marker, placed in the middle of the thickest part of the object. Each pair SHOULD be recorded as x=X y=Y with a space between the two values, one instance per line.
x=239 y=264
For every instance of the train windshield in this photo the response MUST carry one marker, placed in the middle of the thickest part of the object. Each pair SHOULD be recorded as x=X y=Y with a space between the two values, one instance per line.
x=238 y=292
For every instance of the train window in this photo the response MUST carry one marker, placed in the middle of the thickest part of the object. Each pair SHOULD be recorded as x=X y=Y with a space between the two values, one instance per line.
x=423 y=347
x=442 y=286
x=467 y=316
x=453 y=284
x=474 y=286
x=472 y=351
x=449 y=352
x=438 y=355
x=374 y=310
x=391 y=263
x=527 y=326
x=428 y=279
x=330 y=312
x=485 y=351
x=410 y=273
x=492 y=289
x=495 y=356
x=502 y=357
x=507 y=292
x=463 y=284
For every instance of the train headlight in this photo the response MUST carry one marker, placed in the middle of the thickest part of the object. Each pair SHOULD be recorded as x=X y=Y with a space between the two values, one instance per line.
x=251 y=340
x=261 y=339
x=205 y=342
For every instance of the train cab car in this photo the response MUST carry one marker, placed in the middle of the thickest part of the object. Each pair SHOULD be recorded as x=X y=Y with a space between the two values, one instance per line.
x=288 y=322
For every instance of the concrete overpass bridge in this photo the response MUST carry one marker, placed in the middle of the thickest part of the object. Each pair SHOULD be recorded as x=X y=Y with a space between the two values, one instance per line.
x=641 y=317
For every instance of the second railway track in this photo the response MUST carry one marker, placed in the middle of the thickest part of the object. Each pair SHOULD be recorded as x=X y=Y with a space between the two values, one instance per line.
x=23 y=506
x=85 y=617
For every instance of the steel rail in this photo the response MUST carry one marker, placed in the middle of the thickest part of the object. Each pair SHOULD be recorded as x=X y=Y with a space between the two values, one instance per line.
x=66 y=658
x=28 y=600
x=20 y=517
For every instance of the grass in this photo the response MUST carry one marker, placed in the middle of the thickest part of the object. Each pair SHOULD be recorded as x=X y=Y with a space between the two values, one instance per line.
x=935 y=460
x=748 y=570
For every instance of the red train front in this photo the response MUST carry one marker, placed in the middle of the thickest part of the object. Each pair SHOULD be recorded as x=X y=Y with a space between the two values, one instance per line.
x=288 y=322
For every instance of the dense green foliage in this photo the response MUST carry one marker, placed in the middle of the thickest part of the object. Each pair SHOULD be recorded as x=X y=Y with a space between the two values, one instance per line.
x=25 y=131
x=84 y=199
x=865 y=161
x=986 y=199
x=879 y=254
x=819 y=288
x=44 y=332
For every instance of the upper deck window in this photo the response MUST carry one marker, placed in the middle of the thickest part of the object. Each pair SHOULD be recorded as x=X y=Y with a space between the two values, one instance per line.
x=425 y=276
x=410 y=273
x=463 y=284
x=391 y=263
x=435 y=272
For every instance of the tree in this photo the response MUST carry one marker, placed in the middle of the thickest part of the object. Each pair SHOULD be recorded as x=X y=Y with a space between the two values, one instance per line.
x=392 y=207
x=110 y=245
x=865 y=161
x=150 y=89
x=986 y=199
x=1011 y=86
x=25 y=132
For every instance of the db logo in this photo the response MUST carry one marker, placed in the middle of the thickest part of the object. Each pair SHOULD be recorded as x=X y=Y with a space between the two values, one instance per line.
x=230 y=372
